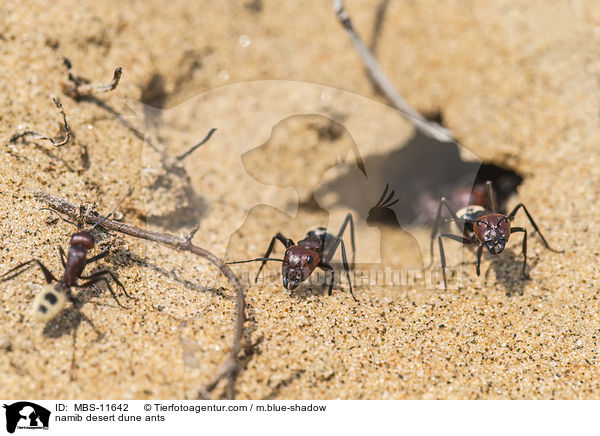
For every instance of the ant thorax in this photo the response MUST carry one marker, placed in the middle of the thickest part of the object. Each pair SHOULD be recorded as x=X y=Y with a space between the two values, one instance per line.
x=325 y=238
x=48 y=303
x=470 y=212
x=319 y=232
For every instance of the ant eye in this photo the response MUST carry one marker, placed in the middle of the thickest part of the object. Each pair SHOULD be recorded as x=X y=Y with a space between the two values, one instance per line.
x=310 y=259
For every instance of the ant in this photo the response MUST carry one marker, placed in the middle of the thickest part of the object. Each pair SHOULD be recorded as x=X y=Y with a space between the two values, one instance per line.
x=315 y=250
x=53 y=298
x=485 y=227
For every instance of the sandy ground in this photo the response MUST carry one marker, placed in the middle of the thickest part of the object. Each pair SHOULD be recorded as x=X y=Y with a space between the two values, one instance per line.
x=517 y=83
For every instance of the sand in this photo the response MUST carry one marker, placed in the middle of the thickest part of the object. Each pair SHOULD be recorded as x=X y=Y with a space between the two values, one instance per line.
x=516 y=82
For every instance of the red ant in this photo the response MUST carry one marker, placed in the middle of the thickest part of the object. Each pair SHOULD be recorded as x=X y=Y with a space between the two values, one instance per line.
x=316 y=250
x=53 y=299
x=485 y=227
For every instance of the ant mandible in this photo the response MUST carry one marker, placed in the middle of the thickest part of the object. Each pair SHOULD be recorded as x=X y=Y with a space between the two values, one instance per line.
x=486 y=227
x=53 y=298
x=316 y=250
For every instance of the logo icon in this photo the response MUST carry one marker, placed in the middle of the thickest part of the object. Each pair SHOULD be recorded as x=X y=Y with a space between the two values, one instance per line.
x=26 y=415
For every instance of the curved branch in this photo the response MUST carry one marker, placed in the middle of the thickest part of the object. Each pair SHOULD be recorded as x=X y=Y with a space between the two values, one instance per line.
x=55 y=142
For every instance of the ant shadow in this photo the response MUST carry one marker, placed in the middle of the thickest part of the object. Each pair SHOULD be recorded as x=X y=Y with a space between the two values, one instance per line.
x=306 y=291
x=507 y=268
x=67 y=322
x=282 y=384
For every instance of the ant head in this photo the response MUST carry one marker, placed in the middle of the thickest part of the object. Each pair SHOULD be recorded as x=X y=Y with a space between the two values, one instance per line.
x=299 y=263
x=84 y=239
x=493 y=230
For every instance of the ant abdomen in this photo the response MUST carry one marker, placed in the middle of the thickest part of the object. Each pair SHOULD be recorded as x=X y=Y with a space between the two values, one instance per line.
x=48 y=303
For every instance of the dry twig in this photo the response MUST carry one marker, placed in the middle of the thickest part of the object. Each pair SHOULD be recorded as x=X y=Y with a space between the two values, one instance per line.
x=55 y=142
x=230 y=368
x=81 y=87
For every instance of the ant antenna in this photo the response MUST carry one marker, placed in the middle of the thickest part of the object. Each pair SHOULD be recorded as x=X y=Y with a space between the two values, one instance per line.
x=113 y=211
x=257 y=260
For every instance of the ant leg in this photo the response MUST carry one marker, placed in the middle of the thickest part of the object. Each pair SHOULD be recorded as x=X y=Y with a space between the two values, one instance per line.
x=96 y=275
x=492 y=203
x=62 y=256
x=278 y=237
x=97 y=257
x=478 y=260
x=47 y=274
x=329 y=255
x=524 y=230
x=511 y=216
x=438 y=222
x=329 y=269
x=443 y=255
x=105 y=280
x=345 y=263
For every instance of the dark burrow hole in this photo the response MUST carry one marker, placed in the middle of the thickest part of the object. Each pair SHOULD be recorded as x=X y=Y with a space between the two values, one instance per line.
x=420 y=174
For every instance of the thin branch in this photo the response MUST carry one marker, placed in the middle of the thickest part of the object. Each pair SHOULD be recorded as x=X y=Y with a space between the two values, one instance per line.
x=387 y=88
x=90 y=88
x=81 y=87
x=230 y=369
x=55 y=142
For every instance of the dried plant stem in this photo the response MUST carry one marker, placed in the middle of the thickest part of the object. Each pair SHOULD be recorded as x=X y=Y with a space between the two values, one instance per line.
x=55 y=142
x=230 y=368
x=81 y=87
x=90 y=88
x=382 y=82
